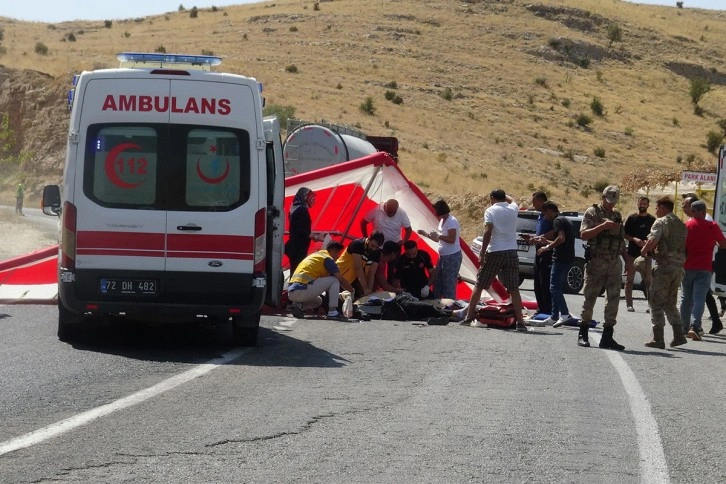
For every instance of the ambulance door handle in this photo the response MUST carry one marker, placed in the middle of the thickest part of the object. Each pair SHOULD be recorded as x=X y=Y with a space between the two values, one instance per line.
x=189 y=227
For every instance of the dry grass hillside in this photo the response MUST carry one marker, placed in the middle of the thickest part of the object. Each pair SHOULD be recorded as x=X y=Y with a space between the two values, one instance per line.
x=491 y=91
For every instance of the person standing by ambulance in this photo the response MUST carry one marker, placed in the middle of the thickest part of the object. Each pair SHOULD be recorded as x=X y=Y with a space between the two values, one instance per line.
x=300 y=228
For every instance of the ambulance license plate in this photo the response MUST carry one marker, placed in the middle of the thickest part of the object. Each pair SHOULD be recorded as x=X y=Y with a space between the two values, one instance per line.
x=143 y=287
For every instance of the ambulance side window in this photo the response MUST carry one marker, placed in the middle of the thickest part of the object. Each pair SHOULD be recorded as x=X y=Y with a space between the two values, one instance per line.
x=217 y=169
x=121 y=165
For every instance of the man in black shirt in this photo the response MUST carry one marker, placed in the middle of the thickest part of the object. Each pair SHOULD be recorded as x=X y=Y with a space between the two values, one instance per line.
x=414 y=271
x=637 y=227
x=563 y=255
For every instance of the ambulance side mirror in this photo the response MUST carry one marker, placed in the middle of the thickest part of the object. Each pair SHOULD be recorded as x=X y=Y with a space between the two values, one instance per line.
x=51 y=202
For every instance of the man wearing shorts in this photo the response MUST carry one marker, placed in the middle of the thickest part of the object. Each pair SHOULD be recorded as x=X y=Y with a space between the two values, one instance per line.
x=498 y=256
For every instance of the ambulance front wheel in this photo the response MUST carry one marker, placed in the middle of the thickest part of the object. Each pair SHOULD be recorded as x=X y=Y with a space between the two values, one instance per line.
x=245 y=329
x=69 y=324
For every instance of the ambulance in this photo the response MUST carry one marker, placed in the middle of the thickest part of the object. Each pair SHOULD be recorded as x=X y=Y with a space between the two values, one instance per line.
x=172 y=196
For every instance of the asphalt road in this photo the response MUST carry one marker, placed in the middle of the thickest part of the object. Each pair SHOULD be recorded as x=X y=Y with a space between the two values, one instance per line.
x=373 y=402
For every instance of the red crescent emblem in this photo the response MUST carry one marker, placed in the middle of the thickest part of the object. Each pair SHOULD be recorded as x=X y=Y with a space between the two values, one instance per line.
x=212 y=181
x=111 y=158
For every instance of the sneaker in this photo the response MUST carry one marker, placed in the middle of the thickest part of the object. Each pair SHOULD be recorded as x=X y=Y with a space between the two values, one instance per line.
x=521 y=327
x=297 y=311
x=563 y=319
x=631 y=309
x=693 y=334
x=478 y=324
x=549 y=321
x=336 y=316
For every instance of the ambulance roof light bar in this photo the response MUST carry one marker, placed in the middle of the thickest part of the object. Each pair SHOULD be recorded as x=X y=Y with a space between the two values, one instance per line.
x=140 y=59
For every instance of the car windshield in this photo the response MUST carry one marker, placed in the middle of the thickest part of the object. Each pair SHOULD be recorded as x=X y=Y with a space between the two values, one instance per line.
x=527 y=223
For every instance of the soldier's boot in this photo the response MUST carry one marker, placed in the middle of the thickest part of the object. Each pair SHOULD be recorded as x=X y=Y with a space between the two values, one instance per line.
x=582 y=339
x=657 y=341
x=678 y=337
x=607 y=341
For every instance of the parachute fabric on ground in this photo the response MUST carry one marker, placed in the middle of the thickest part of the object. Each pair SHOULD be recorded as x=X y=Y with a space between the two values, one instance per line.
x=346 y=191
x=30 y=278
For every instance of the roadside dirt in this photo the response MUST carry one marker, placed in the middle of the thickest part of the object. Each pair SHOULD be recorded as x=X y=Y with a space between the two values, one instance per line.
x=21 y=236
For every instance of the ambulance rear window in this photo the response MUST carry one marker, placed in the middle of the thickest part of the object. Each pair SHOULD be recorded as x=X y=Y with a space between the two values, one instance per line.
x=167 y=167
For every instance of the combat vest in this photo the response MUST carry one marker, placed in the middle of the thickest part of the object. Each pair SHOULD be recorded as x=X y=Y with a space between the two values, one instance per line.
x=312 y=267
x=671 y=248
x=606 y=244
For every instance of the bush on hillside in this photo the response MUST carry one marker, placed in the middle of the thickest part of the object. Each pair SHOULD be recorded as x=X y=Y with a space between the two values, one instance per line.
x=41 y=48
x=283 y=113
x=713 y=141
x=368 y=107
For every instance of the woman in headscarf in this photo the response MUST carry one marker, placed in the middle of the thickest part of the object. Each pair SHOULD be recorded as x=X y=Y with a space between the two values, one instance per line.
x=300 y=228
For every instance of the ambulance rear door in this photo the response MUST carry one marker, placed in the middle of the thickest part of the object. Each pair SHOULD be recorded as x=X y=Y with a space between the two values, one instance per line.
x=218 y=208
x=121 y=222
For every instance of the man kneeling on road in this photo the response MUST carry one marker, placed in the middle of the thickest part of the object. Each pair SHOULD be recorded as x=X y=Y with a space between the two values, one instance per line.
x=318 y=273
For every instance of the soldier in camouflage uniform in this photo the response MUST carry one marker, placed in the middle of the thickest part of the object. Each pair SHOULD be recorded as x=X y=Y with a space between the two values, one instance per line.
x=667 y=242
x=602 y=229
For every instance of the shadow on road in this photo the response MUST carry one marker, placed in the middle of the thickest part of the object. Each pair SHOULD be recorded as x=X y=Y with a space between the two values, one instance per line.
x=198 y=343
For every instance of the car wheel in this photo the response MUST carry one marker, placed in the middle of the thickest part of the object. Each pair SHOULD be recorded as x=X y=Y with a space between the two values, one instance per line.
x=244 y=333
x=69 y=324
x=575 y=277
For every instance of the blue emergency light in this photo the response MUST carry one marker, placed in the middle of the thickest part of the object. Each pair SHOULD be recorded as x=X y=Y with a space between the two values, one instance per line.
x=157 y=59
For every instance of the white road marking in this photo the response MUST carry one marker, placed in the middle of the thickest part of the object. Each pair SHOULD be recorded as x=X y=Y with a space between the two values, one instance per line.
x=285 y=325
x=70 y=423
x=653 y=465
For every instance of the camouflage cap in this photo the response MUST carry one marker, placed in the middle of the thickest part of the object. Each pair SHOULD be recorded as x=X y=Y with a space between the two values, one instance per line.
x=611 y=194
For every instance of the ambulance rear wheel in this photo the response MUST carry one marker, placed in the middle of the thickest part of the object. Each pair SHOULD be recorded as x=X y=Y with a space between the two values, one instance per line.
x=69 y=324
x=244 y=331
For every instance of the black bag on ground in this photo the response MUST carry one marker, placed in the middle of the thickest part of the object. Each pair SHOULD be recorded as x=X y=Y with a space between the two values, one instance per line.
x=405 y=307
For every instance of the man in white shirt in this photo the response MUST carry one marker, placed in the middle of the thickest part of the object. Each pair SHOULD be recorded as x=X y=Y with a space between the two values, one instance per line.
x=388 y=218
x=498 y=256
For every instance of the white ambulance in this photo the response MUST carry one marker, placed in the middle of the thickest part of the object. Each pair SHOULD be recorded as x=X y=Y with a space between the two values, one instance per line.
x=719 y=216
x=171 y=205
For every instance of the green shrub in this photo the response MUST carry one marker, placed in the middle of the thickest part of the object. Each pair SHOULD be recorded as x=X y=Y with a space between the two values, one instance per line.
x=127 y=35
x=713 y=141
x=207 y=52
x=675 y=122
x=108 y=23
x=391 y=85
x=41 y=48
x=697 y=110
x=181 y=7
x=599 y=152
x=293 y=29
x=583 y=120
x=214 y=9
x=554 y=43
x=283 y=113
x=699 y=87
x=316 y=6
x=628 y=131
x=292 y=69
x=194 y=12
x=70 y=37
x=615 y=34
x=566 y=103
x=390 y=95
x=584 y=62
x=339 y=86
x=541 y=81
x=368 y=107
x=397 y=100
x=161 y=49
x=597 y=106
x=447 y=94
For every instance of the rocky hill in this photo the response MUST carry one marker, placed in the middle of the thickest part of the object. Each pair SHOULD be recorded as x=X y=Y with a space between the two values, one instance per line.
x=488 y=93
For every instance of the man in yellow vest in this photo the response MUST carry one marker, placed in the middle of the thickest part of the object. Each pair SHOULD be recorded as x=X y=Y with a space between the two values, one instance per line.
x=316 y=274
x=19 y=195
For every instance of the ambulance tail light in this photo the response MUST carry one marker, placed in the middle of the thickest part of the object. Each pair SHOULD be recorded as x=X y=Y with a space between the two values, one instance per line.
x=68 y=236
x=260 y=245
